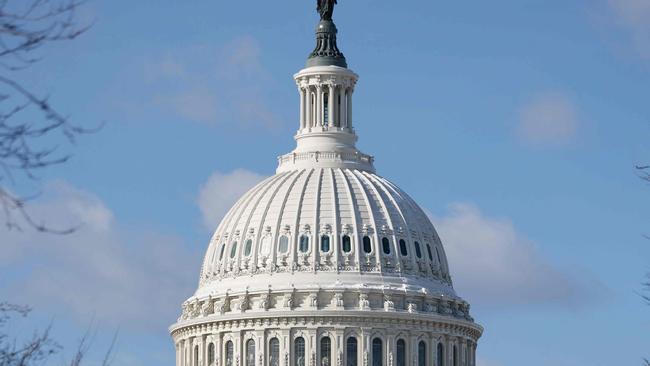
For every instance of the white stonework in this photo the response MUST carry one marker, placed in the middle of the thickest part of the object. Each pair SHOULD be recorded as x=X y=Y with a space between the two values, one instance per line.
x=325 y=263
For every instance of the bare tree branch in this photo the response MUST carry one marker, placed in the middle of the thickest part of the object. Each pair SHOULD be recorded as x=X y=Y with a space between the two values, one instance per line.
x=28 y=122
x=40 y=347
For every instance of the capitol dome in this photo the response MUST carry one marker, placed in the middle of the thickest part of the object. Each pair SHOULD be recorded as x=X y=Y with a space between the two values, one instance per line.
x=325 y=262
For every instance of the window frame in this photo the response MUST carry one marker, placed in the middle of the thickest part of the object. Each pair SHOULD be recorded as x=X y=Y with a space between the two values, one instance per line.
x=233 y=250
x=349 y=243
x=248 y=247
x=385 y=246
x=304 y=239
x=329 y=243
x=286 y=240
x=403 y=248
x=363 y=244
x=418 y=249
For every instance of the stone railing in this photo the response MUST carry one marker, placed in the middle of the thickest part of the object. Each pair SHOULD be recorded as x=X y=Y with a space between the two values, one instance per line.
x=353 y=159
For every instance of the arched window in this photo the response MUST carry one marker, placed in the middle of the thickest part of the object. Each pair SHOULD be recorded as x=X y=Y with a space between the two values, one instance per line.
x=422 y=354
x=367 y=245
x=284 y=244
x=441 y=355
x=385 y=244
x=223 y=250
x=211 y=354
x=346 y=243
x=299 y=352
x=351 y=356
x=196 y=355
x=304 y=244
x=429 y=252
x=233 y=250
x=455 y=356
x=248 y=247
x=230 y=353
x=325 y=351
x=325 y=243
x=438 y=255
x=418 y=251
x=402 y=248
x=377 y=352
x=250 y=352
x=274 y=352
x=401 y=353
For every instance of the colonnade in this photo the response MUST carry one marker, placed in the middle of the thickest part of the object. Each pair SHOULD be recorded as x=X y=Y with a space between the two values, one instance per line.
x=327 y=105
x=325 y=347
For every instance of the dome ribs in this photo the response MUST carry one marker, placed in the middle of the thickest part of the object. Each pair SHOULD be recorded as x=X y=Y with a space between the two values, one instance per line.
x=278 y=226
x=296 y=226
x=247 y=198
x=355 y=219
x=406 y=231
x=263 y=216
x=336 y=229
x=388 y=231
x=249 y=210
x=316 y=230
x=375 y=232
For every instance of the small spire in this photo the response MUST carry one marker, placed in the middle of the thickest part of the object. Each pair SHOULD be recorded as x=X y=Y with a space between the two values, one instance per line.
x=326 y=52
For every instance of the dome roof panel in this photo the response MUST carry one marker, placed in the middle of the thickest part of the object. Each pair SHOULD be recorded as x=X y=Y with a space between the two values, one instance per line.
x=296 y=221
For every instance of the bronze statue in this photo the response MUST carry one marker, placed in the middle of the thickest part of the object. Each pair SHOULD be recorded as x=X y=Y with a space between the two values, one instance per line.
x=325 y=8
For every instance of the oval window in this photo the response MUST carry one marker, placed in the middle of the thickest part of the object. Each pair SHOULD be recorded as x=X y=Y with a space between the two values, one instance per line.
x=429 y=252
x=402 y=248
x=385 y=244
x=347 y=244
x=325 y=243
x=233 y=250
x=223 y=250
x=284 y=244
x=248 y=248
x=304 y=244
x=367 y=245
x=418 y=251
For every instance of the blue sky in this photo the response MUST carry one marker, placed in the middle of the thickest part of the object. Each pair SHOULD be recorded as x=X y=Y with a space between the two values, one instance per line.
x=515 y=124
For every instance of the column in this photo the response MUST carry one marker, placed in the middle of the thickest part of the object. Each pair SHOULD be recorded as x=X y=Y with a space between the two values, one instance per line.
x=330 y=113
x=339 y=105
x=363 y=347
x=302 y=108
x=319 y=105
x=309 y=120
x=344 y=107
x=180 y=354
x=472 y=354
x=202 y=352
x=349 y=107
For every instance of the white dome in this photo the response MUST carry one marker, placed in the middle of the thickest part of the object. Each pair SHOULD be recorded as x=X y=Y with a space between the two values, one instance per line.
x=325 y=226
x=326 y=262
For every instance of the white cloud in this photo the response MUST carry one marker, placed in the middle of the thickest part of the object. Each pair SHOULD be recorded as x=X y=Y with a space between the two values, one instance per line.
x=494 y=265
x=228 y=85
x=634 y=17
x=195 y=105
x=549 y=119
x=221 y=191
x=132 y=279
